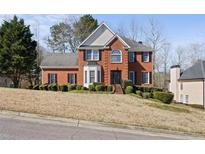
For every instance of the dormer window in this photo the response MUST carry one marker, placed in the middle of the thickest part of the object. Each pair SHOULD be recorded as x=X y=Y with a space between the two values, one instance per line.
x=92 y=55
x=116 y=56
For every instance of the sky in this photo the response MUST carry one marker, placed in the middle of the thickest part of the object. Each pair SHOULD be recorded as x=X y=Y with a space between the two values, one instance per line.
x=177 y=29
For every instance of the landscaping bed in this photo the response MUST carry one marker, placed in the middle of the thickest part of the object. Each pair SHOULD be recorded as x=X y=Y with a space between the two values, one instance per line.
x=111 y=108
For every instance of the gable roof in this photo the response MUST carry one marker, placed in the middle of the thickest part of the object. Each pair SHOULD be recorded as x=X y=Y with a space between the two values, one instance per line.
x=197 y=71
x=136 y=46
x=60 y=60
x=99 y=37
x=102 y=36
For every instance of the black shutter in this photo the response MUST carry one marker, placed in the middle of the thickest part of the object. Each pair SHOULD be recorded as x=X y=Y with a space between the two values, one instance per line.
x=84 y=55
x=56 y=80
x=135 y=77
x=68 y=77
x=75 y=78
x=142 y=57
x=48 y=78
x=150 y=56
x=150 y=77
x=135 y=55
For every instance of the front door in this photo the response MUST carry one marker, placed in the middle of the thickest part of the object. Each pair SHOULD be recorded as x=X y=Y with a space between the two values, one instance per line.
x=115 y=77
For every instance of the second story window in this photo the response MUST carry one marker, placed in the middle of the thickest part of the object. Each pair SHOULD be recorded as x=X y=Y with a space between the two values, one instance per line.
x=131 y=56
x=116 y=56
x=145 y=57
x=92 y=55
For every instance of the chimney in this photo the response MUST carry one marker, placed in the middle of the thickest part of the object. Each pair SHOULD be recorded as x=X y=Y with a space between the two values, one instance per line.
x=140 y=42
x=174 y=84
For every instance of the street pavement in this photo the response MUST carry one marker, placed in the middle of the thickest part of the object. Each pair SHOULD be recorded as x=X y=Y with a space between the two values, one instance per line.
x=26 y=128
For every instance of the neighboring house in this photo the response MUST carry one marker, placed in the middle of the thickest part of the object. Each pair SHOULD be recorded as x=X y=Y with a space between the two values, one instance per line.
x=103 y=56
x=188 y=86
x=5 y=82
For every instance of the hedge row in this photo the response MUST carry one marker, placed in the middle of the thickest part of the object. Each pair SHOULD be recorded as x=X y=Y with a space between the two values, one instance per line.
x=68 y=87
x=98 y=86
x=165 y=97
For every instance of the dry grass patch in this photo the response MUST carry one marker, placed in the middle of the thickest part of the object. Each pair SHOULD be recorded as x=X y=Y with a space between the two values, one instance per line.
x=121 y=109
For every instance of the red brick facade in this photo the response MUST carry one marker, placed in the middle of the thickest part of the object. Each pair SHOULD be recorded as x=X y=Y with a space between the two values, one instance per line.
x=106 y=66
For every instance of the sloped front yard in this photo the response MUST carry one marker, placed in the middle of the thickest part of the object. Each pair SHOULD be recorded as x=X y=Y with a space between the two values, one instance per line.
x=121 y=109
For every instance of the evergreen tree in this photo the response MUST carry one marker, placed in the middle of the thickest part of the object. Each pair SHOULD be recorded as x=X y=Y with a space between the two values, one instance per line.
x=18 y=53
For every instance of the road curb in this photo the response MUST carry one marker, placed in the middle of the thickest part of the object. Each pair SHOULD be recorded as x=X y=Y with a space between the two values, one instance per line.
x=97 y=125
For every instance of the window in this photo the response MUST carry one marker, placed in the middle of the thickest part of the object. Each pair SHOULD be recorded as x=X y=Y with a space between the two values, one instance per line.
x=145 y=57
x=71 y=78
x=116 y=56
x=52 y=78
x=131 y=57
x=92 y=76
x=132 y=76
x=92 y=55
x=85 y=76
x=181 y=98
x=181 y=86
x=145 y=77
x=99 y=76
x=186 y=98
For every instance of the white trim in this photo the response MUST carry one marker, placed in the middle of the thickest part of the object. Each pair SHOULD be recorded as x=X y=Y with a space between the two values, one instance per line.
x=133 y=76
x=120 y=40
x=58 y=67
x=103 y=23
x=115 y=55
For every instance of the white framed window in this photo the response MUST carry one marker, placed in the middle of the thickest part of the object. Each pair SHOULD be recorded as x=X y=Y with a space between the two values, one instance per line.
x=146 y=77
x=131 y=56
x=92 y=55
x=71 y=78
x=52 y=78
x=132 y=76
x=116 y=56
x=186 y=98
x=92 y=76
x=181 y=86
x=145 y=56
x=181 y=98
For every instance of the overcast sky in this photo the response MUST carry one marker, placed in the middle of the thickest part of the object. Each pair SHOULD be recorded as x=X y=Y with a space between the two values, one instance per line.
x=178 y=29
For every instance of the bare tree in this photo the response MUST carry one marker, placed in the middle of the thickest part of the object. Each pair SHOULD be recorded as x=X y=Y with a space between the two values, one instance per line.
x=133 y=30
x=196 y=52
x=154 y=37
x=165 y=52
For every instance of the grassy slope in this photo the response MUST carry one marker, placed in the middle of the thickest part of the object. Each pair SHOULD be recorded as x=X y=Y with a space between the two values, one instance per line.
x=121 y=109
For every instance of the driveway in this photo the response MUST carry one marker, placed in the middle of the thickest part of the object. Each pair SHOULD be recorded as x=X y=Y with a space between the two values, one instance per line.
x=24 y=128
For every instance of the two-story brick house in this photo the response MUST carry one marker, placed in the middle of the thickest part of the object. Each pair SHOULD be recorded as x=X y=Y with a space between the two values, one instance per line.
x=103 y=56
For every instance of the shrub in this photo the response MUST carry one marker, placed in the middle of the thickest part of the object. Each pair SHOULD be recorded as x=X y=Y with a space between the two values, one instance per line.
x=109 y=88
x=43 y=87
x=71 y=87
x=91 y=87
x=97 y=84
x=53 y=87
x=146 y=95
x=64 y=87
x=79 y=87
x=126 y=83
x=30 y=87
x=129 y=89
x=36 y=87
x=100 y=88
x=138 y=92
x=165 y=97
x=84 y=88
